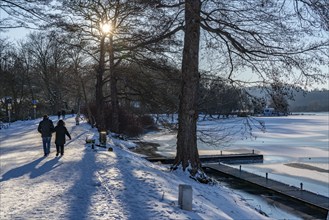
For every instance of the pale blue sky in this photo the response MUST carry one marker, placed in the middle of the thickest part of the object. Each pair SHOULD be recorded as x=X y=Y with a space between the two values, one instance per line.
x=19 y=34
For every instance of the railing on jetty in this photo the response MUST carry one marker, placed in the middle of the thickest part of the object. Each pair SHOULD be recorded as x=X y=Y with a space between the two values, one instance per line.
x=226 y=158
x=319 y=201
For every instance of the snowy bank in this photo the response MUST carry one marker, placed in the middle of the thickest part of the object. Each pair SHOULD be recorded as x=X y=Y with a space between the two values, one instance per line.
x=97 y=184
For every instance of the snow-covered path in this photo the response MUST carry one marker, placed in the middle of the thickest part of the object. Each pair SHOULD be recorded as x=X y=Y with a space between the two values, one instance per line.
x=89 y=184
x=47 y=187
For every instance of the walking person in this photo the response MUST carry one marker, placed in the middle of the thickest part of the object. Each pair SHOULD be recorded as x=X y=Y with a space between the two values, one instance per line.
x=61 y=131
x=63 y=114
x=46 y=128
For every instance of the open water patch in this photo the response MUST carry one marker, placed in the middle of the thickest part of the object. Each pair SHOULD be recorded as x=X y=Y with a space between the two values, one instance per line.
x=146 y=148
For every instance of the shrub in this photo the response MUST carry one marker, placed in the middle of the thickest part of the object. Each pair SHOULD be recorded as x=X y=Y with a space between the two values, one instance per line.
x=130 y=124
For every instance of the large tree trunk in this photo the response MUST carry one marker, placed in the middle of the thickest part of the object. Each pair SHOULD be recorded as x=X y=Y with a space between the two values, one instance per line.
x=187 y=151
x=100 y=123
x=91 y=119
x=114 y=90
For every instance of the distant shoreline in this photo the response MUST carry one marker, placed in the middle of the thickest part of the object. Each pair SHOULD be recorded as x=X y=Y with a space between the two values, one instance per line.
x=307 y=167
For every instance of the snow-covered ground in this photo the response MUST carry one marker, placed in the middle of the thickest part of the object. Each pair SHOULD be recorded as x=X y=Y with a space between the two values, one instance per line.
x=295 y=148
x=98 y=184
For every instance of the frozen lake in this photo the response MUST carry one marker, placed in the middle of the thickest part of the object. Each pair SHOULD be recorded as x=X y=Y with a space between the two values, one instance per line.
x=295 y=147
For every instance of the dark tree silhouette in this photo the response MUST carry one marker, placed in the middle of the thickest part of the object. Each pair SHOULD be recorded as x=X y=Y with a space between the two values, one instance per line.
x=22 y=13
x=263 y=37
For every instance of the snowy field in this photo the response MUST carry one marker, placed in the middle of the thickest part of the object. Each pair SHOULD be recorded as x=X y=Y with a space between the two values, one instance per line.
x=98 y=184
x=295 y=148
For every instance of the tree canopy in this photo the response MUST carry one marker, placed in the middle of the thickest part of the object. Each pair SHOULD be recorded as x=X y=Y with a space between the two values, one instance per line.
x=268 y=43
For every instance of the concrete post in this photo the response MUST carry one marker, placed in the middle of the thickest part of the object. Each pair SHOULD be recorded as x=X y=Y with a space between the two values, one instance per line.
x=102 y=138
x=77 y=119
x=185 y=197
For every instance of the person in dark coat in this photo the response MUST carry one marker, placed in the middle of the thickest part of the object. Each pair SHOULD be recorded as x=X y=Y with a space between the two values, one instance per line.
x=46 y=128
x=61 y=131
x=63 y=114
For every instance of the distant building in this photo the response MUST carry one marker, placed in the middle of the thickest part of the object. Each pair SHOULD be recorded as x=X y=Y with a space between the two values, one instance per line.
x=269 y=112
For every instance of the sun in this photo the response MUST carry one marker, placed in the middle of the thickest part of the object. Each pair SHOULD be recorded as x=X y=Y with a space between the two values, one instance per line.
x=106 y=28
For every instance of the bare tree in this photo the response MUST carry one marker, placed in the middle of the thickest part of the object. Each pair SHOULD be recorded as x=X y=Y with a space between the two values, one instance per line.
x=187 y=151
x=132 y=39
x=218 y=97
x=320 y=12
x=156 y=89
x=22 y=13
x=50 y=63
x=280 y=94
x=16 y=79
x=260 y=37
x=80 y=77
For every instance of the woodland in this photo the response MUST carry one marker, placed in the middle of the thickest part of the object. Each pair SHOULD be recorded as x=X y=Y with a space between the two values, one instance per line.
x=118 y=62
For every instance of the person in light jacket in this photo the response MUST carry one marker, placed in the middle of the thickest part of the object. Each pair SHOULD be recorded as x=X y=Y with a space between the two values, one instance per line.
x=45 y=128
x=61 y=131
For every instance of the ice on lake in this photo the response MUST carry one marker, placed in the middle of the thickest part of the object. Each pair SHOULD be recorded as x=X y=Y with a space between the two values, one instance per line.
x=296 y=139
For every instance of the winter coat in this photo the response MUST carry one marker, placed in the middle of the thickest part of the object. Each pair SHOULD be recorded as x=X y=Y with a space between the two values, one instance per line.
x=46 y=127
x=61 y=131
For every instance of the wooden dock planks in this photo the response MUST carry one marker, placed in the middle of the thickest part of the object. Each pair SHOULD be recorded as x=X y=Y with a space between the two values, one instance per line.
x=291 y=191
x=228 y=158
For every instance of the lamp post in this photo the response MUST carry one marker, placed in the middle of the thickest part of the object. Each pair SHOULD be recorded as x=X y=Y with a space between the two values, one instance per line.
x=34 y=103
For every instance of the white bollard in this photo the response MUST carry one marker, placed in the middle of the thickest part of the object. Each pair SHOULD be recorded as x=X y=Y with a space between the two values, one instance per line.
x=185 y=197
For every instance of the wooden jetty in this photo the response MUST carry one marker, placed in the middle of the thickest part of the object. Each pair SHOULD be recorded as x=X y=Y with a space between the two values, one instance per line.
x=299 y=194
x=227 y=158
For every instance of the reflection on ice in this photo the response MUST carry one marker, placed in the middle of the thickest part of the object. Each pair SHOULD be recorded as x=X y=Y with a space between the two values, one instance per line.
x=314 y=159
x=271 y=159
